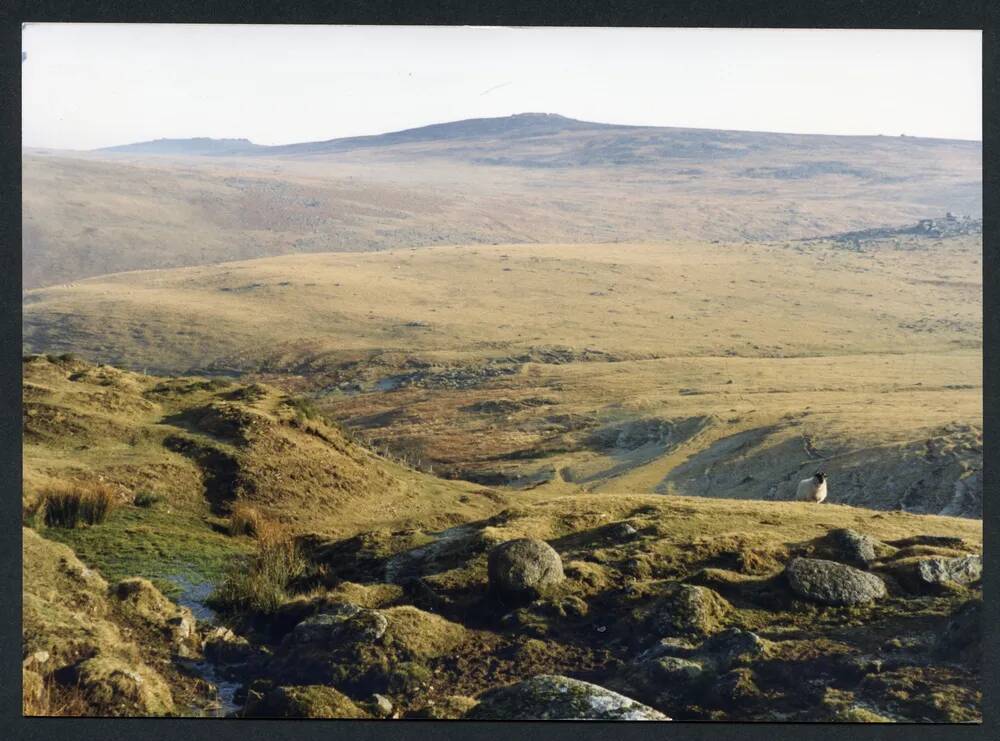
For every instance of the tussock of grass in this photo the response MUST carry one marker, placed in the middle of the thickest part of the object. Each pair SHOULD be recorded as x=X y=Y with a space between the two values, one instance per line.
x=43 y=697
x=146 y=499
x=260 y=586
x=76 y=504
x=245 y=519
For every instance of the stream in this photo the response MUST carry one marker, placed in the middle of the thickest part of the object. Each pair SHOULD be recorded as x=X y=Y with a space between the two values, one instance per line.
x=193 y=596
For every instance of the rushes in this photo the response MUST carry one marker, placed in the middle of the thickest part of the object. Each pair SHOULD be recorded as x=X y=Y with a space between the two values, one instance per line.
x=71 y=505
x=259 y=585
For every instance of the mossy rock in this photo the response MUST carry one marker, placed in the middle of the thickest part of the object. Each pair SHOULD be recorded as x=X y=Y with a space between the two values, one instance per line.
x=116 y=688
x=687 y=609
x=308 y=701
x=524 y=569
x=555 y=697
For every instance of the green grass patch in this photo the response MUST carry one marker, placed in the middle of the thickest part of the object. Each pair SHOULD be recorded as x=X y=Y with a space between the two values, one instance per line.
x=156 y=543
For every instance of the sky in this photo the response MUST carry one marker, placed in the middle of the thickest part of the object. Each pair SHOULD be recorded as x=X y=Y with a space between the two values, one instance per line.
x=93 y=85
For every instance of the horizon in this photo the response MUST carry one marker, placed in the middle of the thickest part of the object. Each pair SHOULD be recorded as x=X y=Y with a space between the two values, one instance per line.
x=478 y=118
x=91 y=86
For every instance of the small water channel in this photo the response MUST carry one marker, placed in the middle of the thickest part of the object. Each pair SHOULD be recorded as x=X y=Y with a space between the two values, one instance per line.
x=193 y=595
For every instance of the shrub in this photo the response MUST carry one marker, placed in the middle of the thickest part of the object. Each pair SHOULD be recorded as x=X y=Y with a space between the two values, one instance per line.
x=304 y=409
x=245 y=519
x=260 y=586
x=146 y=499
x=74 y=504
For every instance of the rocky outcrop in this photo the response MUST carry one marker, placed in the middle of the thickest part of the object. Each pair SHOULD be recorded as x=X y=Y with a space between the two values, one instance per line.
x=832 y=583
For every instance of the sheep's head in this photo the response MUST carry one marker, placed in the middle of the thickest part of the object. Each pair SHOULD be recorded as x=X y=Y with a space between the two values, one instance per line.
x=820 y=477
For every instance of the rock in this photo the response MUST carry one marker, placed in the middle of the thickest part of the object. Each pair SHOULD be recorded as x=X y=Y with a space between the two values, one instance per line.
x=852 y=547
x=114 y=687
x=689 y=609
x=664 y=681
x=523 y=570
x=622 y=531
x=309 y=701
x=731 y=647
x=938 y=571
x=222 y=646
x=381 y=706
x=339 y=623
x=554 y=697
x=832 y=583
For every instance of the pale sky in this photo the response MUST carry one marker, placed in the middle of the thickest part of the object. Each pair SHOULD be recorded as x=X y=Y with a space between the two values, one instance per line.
x=95 y=85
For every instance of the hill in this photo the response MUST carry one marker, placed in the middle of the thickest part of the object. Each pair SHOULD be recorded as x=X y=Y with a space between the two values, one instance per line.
x=686 y=368
x=389 y=593
x=532 y=178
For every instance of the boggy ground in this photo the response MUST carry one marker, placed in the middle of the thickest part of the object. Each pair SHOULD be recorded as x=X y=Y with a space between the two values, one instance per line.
x=389 y=596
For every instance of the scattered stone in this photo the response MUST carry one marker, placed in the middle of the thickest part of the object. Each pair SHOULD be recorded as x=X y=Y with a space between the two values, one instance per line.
x=832 y=583
x=450 y=707
x=524 y=569
x=555 y=697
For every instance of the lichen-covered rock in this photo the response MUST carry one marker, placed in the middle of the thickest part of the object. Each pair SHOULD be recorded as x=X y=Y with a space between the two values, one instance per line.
x=554 y=697
x=734 y=689
x=310 y=701
x=938 y=571
x=524 y=569
x=114 y=687
x=689 y=609
x=729 y=648
x=832 y=583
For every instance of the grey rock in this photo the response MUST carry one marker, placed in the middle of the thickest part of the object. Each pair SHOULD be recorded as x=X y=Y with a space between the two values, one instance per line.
x=832 y=583
x=852 y=547
x=524 y=570
x=939 y=571
x=555 y=697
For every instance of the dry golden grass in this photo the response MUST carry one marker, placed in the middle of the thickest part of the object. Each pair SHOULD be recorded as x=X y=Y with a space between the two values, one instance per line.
x=77 y=503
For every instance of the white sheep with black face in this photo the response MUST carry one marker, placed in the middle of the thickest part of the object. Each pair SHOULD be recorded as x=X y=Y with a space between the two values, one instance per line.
x=812 y=489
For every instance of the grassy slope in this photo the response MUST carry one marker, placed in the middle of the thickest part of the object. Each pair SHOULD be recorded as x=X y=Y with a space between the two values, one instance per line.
x=818 y=356
x=146 y=435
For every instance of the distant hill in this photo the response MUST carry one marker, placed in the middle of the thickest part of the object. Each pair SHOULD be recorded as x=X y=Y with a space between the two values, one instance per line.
x=196 y=146
x=528 y=178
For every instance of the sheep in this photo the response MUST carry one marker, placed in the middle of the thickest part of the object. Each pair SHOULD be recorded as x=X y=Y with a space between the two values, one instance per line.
x=812 y=489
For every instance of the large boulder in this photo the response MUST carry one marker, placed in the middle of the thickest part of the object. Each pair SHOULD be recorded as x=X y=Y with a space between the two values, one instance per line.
x=524 y=569
x=554 y=697
x=832 y=583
